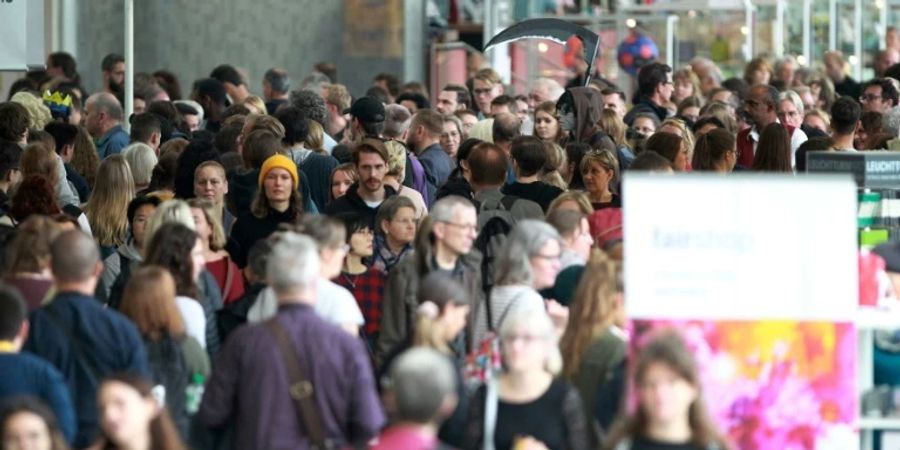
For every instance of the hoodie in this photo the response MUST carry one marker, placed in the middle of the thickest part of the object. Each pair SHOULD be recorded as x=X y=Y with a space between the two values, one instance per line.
x=351 y=202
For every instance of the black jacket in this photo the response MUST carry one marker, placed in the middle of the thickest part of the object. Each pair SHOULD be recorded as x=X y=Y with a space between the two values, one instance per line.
x=351 y=202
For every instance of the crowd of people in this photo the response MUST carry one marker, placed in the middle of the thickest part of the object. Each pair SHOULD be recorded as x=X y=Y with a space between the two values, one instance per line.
x=399 y=269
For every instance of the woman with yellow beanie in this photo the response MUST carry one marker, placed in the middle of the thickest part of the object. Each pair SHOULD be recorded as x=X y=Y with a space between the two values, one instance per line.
x=277 y=201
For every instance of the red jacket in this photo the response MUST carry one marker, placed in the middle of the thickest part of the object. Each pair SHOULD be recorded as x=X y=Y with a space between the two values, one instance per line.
x=745 y=149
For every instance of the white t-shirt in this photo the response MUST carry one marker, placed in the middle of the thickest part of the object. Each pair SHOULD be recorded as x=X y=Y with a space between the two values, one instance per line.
x=334 y=303
x=193 y=317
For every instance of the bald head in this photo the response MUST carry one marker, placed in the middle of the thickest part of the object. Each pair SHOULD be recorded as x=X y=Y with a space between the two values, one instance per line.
x=107 y=103
x=506 y=128
x=74 y=257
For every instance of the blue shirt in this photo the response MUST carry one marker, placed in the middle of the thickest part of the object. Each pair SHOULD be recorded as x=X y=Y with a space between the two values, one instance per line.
x=108 y=343
x=26 y=374
x=437 y=164
x=112 y=142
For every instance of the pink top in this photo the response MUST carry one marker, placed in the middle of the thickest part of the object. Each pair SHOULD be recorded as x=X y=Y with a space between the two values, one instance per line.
x=407 y=437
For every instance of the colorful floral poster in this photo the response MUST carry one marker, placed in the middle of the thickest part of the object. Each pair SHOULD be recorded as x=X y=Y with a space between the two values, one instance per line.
x=774 y=384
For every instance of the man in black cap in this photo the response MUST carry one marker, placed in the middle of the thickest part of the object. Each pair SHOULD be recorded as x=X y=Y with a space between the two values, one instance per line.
x=367 y=118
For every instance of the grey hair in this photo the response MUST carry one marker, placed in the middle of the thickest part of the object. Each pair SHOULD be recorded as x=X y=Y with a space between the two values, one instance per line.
x=107 y=103
x=396 y=121
x=794 y=98
x=553 y=87
x=421 y=379
x=169 y=211
x=442 y=210
x=890 y=121
x=315 y=81
x=293 y=263
x=278 y=80
x=513 y=265
x=192 y=104
x=786 y=59
x=141 y=159
x=537 y=321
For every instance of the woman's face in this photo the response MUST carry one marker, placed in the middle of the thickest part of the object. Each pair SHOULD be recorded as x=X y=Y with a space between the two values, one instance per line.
x=450 y=139
x=198 y=261
x=681 y=160
x=278 y=185
x=340 y=183
x=124 y=413
x=524 y=350
x=644 y=126
x=691 y=113
x=815 y=122
x=454 y=319
x=664 y=395
x=402 y=227
x=568 y=205
x=545 y=265
x=361 y=242
x=210 y=183
x=139 y=223
x=596 y=178
x=545 y=126
x=203 y=228
x=683 y=89
x=582 y=240
x=26 y=431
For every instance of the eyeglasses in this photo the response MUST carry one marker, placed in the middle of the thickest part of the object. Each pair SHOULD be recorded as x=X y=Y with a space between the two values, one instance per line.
x=869 y=98
x=525 y=338
x=482 y=91
x=463 y=226
x=547 y=257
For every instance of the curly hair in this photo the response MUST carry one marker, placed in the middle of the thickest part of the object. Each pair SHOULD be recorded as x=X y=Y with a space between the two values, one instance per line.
x=38 y=113
x=171 y=248
x=35 y=195
x=312 y=104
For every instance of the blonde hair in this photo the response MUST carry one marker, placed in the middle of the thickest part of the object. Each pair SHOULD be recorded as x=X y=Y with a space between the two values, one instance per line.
x=256 y=102
x=537 y=321
x=820 y=114
x=612 y=124
x=176 y=211
x=687 y=137
x=607 y=160
x=592 y=310
x=580 y=198
x=107 y=208
x=38 y=113
x=556 y=160
x=217 y=237
x=315 y=140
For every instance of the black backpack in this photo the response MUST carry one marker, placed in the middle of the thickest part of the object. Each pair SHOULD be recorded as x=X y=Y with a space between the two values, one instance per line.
x=495 y=221
x=169 y=369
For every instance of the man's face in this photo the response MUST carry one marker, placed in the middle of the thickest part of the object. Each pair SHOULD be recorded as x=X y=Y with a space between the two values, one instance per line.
x=873 y=100
x=788 y=114
x=757 y=107
x=447 y=103
x=93 y=120
x=459 y=233
x=115 y=78
x=193 y=121
x=885 y=60
x=468 y=121
x=666 y=89
x=371 y=170
x=615 y=103
x=538 y=95
x=484 y=92
x=499 y=109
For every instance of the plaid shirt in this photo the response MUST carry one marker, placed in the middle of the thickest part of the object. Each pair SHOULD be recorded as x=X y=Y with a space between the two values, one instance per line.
x=368 y=289
x=383 y=258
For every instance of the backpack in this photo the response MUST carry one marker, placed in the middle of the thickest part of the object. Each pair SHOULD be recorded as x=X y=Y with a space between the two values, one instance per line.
x=169 y=369
x=495 y=221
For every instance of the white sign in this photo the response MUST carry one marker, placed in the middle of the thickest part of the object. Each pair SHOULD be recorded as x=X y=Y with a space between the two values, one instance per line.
x=22 y=38
x=740 y=247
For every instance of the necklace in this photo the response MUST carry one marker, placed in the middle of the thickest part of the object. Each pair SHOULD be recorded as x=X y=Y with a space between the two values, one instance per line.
x=349 y=279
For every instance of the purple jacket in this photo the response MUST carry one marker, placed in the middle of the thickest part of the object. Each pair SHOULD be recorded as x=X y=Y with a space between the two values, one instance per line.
x=250 y=385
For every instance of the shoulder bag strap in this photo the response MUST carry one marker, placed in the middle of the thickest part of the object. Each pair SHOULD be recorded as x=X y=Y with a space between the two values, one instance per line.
x=302 y=390
x=229 y=278
x=490 y=411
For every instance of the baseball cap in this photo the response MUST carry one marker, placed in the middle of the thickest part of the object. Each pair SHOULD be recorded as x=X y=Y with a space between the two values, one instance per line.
x=367 y=109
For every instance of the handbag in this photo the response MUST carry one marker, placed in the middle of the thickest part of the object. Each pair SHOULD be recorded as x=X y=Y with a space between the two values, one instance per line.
x=302 y=390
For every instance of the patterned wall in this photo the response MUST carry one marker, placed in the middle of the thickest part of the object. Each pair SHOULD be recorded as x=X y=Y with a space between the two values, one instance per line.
x=191 y=37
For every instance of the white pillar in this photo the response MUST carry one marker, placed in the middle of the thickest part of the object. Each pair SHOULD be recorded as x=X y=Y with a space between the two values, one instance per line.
x=129 y=62
x=748 y=23
x=778 y=30
x=671 y=22
x=832 y=24
x=857 y=44
x=497 y=16
x=807 y=32
x=414 y=34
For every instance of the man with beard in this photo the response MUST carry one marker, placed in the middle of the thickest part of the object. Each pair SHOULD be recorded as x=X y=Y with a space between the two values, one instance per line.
x=366 y=195
x=113 y=71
